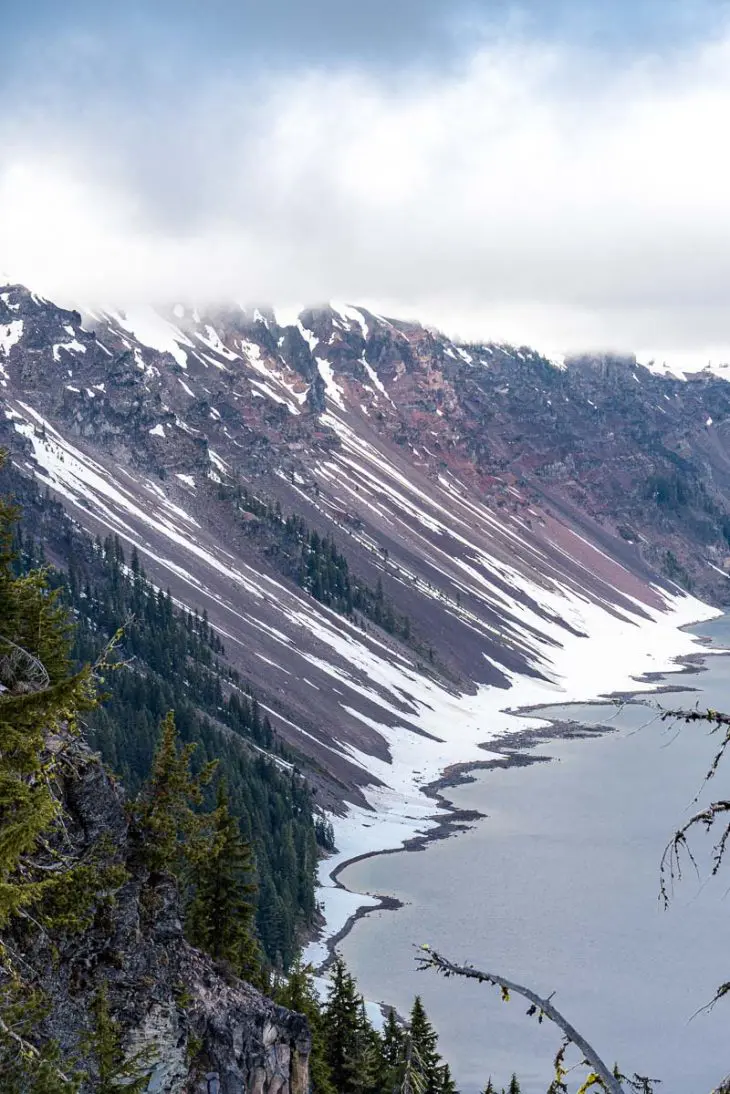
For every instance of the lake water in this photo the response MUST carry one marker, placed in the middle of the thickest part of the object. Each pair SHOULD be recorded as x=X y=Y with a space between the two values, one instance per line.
x=558 y=888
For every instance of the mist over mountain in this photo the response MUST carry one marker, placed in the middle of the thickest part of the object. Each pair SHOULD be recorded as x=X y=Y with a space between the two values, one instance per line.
x=363 y=390
x=380 y=523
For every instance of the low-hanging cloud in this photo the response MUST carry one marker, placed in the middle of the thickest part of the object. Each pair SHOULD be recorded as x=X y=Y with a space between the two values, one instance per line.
x=532 y=194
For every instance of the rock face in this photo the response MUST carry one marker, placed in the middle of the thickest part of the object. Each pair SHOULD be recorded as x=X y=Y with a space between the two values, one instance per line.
x=197 y=1029
x=491 y=493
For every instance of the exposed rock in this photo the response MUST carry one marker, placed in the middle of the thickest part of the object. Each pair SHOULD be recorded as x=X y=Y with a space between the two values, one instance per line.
x=198 y=1029
x=466 y=480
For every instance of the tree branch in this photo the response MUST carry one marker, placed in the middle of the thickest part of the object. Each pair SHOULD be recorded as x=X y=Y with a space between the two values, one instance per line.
x=27 y=1049
x=430 y=959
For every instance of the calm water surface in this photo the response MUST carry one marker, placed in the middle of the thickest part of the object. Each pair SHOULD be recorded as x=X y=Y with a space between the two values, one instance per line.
x=558 y=887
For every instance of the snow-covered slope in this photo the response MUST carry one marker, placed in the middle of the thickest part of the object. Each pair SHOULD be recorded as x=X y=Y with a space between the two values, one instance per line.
x=212 y=441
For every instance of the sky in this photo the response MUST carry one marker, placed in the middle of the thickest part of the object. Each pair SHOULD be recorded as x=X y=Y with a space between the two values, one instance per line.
x=555 y=172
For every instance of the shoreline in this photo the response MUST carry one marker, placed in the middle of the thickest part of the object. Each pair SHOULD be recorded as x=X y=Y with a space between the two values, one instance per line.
x=513 y=749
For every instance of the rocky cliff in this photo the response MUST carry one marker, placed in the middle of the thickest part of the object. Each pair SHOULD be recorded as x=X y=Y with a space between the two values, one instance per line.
x=193 y=1028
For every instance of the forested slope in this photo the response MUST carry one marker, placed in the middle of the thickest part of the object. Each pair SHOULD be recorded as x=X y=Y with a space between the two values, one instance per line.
x=170 y=659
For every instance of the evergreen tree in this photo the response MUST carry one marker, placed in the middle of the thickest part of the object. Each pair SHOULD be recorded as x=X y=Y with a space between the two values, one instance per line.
x=342 y=1028
x=424 y=1039
x=370 y=1072
x=297 y=993
x=221 y=913
x=169 y=830
x=489 y=1088
x=173 y=659
x=115 y=1072
x=392 y=1040
x=410 y=1078
x=40 y=700
x=446 y=1083
x=514 y=1086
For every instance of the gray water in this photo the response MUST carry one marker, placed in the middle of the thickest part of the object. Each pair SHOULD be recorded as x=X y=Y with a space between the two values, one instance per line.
x=558 y=888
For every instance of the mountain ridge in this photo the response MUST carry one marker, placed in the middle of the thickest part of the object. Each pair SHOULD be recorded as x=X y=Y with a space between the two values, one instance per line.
x=494 y=499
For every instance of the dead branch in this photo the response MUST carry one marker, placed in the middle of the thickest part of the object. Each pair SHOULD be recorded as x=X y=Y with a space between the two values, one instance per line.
x=20 y=669
x=715 y=718
x=27 y=1049
x=430 y=959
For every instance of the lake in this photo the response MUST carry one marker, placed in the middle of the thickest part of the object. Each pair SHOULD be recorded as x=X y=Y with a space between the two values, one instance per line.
x=558 y=888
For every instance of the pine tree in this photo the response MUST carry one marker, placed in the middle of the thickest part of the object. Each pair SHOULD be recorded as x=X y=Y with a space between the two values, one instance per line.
x=392 y=1040
x=115 y=1071
x=424 y=1040
x=370 y=1071
x=342 y=1026
x=514 y=1086
x=169 y=830
x=40 y=700
x=221 y=913
x=297 y=993
x=446 y=1082
x=489 y=1088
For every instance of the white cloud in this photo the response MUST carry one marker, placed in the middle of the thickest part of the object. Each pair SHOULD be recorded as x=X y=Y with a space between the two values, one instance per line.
x=532 y=195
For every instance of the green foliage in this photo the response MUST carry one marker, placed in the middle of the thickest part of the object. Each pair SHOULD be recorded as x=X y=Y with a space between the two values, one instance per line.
x=392 y=1045
x=115 y=1072
x=69 y=904
x=171 y=659
x=675 y=570
x=27 y=1064
x=221 y=913
x=169 y=831
x=425 y=1058
x=342 y=1022
x=315 y=563
x=297 y=993
x=404 y=1060
x=669 y=491
x=37 y=704
x=447 y=1084
x=40 y=702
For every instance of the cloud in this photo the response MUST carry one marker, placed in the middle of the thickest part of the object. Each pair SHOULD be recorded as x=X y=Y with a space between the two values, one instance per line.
x=532 y=193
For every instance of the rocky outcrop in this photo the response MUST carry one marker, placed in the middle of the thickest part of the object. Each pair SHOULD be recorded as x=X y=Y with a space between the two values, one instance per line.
x=194 y=1028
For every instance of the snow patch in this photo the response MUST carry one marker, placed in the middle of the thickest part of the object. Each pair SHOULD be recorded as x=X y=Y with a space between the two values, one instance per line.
x=332 y=388
x=71 y=347
x=375 y=378
x=216 y=460
x=151 y=329
x=10 y=335
x=212 y=340
x=310 y=338
x=352 y=315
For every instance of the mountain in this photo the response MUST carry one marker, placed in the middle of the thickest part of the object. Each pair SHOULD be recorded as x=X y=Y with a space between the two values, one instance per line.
x=387 y=529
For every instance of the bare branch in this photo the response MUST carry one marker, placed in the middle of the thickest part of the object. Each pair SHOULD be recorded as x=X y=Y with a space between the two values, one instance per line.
x=430 y=959
x=715 y=718
x=27 y=1049
x=20 y=669
x=671 y=867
